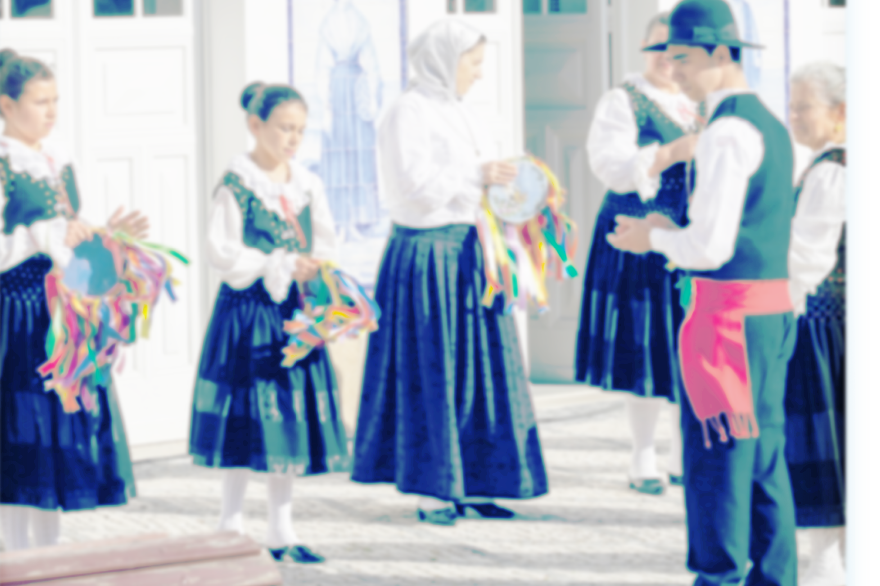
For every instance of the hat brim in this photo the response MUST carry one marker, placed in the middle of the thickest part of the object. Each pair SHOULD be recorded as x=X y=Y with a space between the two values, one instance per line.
x=660 y=47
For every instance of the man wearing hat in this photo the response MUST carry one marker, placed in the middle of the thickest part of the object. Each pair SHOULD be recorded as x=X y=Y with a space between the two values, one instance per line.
x=739 y=331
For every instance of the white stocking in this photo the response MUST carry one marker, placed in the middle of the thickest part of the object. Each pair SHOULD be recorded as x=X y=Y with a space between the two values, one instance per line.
x=279 y=532
x=643 y=415
x=675 y=465
x=14 y=522
x=47 y=527
x=429 y=503
x=826 y=561
x=234 y=485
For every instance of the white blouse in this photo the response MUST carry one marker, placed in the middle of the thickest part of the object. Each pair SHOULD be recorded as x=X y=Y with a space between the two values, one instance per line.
x=728 y=152
x=430 y=156
x=816 y=229
x=240 y=265
x=612 y=143
x=42 y=236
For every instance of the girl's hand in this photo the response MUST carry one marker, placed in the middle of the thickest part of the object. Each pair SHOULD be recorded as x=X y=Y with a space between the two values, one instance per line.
x=77 y=233
x=135 y=224
x=498 y=173
x=680 y=150
x=306 y=269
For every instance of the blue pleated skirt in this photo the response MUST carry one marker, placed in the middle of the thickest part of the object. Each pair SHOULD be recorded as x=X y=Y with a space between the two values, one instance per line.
x=251 y=412
x=445 y=409
x=630 y=312
x=814 y=411
x=51 y=459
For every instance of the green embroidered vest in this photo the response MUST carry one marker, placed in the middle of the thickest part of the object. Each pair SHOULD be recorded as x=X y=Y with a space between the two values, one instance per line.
x=30 y=200
x=264 y=229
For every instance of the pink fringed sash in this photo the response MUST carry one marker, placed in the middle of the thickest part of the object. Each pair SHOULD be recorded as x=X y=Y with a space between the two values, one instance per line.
x=712 y=349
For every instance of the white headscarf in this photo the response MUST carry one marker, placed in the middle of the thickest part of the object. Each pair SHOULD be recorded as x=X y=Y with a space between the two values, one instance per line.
x=434 y=56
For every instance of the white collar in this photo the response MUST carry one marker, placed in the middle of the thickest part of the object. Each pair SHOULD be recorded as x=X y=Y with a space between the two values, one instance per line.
x=714 y=99
x=677 y=105
x=296 y=191
x=828 y=146
x=46 y=163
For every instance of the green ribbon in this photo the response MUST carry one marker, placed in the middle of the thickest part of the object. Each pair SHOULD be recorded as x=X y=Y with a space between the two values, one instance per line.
x=686 y=284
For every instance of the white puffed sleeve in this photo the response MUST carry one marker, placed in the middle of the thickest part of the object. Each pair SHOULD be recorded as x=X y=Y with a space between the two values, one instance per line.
x=324 y=243
x=815 y=230
x=422 y=170
x=612 y=145
x=240 y=265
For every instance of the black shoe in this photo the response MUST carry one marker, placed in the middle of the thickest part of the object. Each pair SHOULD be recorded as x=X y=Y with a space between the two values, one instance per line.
x=485 y=510
x=652 y=486
x=676 y=480
x=445 y=516
x=298 y=553
x=303 y=555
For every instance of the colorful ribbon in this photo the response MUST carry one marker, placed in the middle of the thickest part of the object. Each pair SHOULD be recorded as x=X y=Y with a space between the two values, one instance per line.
x=334 y=305
x=517 y=258
x=85 y=330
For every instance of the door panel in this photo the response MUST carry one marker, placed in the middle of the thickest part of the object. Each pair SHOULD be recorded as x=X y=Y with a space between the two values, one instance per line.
x=566 y=72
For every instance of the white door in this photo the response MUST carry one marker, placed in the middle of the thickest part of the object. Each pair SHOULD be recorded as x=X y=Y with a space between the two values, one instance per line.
x=126 y=78
x=566 y=71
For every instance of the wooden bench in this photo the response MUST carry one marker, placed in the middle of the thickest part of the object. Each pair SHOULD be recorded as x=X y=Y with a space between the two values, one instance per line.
x=215 y=559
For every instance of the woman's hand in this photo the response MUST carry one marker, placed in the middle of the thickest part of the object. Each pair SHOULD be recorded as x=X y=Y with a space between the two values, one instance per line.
x=680 y=150
x=135 y=224
x=77 y=233
x=306 y=268
x=498 y=173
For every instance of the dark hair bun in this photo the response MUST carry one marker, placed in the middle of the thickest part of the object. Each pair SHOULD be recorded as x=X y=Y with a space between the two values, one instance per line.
x=7 y=55
x=248 y=94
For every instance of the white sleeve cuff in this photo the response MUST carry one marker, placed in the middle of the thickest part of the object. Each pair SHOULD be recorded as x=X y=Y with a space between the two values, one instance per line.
x=798 y=295
x=277 y=277
x=646 y=186
x=49 y=236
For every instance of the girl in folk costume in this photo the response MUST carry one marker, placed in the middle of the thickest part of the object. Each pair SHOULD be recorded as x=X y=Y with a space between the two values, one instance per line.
x=269 y=228
x=445 y=411
x=52 y=459
x=814 y=397
x=638 y=146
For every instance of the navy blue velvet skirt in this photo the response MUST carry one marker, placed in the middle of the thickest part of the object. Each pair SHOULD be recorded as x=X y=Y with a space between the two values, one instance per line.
x=814 y=412
x=445 y=409
x=251 y=412
x=630 y=314
x=51 y=459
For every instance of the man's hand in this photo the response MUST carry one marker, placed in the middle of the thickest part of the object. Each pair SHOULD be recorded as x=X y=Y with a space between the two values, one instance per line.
x=631 y=235
x=135 y=224
x=660 y=221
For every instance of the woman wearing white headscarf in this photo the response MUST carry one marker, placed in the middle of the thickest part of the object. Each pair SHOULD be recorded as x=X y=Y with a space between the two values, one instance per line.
x=445 y=411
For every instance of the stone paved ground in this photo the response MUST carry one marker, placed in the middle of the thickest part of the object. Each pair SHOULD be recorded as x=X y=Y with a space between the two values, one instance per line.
x=590 y=529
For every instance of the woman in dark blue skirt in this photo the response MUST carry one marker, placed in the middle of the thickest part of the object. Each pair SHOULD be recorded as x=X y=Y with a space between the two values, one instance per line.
x=445 y=411
x=51 y=460
x=630 y=315
x=269 y=227
x=816 y=385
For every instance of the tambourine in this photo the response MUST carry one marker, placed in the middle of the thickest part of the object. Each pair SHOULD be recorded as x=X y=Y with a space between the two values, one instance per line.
x=524 y=236
x=96 y=303
x=524 y=199
x=94 y=270
x=334 y=305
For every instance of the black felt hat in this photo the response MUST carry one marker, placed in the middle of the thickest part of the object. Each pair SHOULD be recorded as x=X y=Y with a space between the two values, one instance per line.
x=700 y=23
